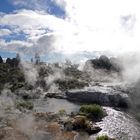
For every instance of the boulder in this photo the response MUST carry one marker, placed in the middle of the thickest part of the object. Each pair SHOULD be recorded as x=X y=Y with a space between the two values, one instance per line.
x=106 y=96
x=93 y=130
x=68 y=126
x=79 y=122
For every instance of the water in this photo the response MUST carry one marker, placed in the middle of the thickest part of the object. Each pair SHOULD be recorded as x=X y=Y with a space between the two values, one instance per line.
x=117 y=124
x=54 y=105
x=120 y=125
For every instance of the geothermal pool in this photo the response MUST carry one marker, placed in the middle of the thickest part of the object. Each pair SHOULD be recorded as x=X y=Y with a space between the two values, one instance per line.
x=117 y=124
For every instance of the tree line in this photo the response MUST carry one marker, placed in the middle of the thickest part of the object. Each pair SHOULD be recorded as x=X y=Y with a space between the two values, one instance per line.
x=14 y=62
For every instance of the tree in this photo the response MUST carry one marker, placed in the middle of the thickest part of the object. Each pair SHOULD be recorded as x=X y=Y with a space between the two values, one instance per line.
x=8 y=61
x=15 y=62
x=1 y=60
x=104 y=62
x=37 y=58
x=18 y=58
x=68 y=63
x=32 y=60
x=12 y=62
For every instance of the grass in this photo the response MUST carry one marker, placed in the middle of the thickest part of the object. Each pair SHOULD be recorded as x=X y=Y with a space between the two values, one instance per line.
x=24 y=105
x=104 y=137
x=66 y=84
x=62 y=112
x=92 y=110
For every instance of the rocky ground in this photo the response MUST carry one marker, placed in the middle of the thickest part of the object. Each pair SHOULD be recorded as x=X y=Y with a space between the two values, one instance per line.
x=22 y=84
x=43 y=125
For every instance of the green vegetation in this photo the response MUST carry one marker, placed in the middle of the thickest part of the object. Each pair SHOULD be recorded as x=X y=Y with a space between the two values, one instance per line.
x=62 y=112
x=104 y=137
x=66 y=84
x=24 y=105
x=103 y=62
x=11 y=75
x=73 y=72
x=92 y=110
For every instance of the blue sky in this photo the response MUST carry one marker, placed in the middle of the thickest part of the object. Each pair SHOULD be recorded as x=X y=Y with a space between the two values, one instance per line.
x=6 y=6
x=10 y=6
x=6 y=54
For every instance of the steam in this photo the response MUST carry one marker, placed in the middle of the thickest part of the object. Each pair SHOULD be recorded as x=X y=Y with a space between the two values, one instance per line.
x=25 y=124
x=131 y=78
x=131 y=67
x=100 y=75
x=30 y=72
x=6 y=100
x=51 y=78
x=15 y=124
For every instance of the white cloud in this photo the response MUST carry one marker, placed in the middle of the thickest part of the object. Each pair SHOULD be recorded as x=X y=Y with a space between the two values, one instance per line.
x=43 y=45
x=28 y=20
x=4 y=32
x=91 y=25
x=32 y=4
x=61 y=3
x=35 y=24
x=15 y=46
x=99 y=25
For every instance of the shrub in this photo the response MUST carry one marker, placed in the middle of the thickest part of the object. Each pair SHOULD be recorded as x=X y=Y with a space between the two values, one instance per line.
x=62 y=112
x=12 y=75
x=92 y=110
x=104 y=137
x=73 y=72
x=66 y=84
x=24 y=105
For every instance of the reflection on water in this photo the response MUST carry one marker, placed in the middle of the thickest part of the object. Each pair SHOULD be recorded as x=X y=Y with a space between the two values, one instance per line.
x=54 y=105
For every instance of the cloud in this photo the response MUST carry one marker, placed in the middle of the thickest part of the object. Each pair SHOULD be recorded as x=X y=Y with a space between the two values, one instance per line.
x=15 y=46
x=49 y=6
x=4 y=32
x=43 y=46
x=32 y=4
x=37 y=25
x=28 y=20
x=99 y=25
x=88 y=26
x=128 y=22
x=61 y=3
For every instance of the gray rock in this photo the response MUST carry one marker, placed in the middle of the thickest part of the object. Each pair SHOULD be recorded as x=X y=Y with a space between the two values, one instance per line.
x=100 y=95
x=68 y=126
x=93 y=130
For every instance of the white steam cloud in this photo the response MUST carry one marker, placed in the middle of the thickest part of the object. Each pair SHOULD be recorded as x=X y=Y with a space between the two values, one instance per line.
x=30 y=72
